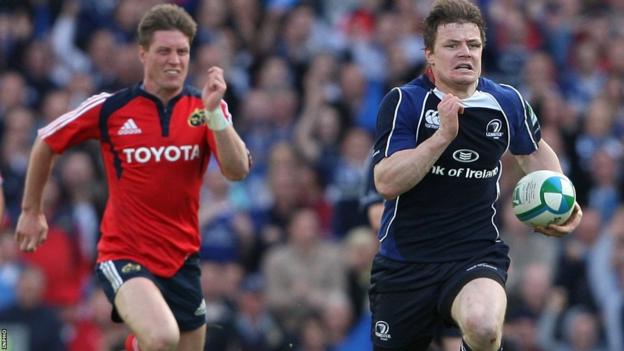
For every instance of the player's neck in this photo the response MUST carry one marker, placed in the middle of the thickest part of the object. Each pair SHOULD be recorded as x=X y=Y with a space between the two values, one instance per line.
x=164 y=95
x=461 y=91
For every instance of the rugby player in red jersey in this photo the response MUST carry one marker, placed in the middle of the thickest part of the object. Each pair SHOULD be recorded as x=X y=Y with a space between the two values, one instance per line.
x=156 y=141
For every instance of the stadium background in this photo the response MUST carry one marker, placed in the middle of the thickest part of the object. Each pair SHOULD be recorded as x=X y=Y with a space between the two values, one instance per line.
x=285 y=253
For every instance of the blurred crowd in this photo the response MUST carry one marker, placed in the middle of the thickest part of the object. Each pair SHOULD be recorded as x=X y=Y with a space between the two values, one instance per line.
x=286 y=253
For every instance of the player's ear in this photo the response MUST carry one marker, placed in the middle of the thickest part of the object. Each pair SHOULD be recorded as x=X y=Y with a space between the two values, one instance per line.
x=142 y=53
x=429 y=56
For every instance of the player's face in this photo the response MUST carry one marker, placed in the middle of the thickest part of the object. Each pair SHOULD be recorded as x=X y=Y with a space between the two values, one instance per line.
x=166 y=62
x=456 y=57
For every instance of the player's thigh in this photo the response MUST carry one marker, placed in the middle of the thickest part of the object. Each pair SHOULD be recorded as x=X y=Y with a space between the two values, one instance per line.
x=476 y=288
x=142 y=307
x=481 y=298
x=193 y=340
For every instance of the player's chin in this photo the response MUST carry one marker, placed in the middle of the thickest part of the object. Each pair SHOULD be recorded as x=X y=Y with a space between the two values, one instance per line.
x=467 y=78
x=173 y=85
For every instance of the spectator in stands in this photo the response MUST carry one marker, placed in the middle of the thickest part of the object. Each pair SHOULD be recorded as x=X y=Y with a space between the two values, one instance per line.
x=255 y=328
x=581 y=330
x=34 y=326
x=570 y=273
x=9 y=269
x=606 y=273
x=302 y=272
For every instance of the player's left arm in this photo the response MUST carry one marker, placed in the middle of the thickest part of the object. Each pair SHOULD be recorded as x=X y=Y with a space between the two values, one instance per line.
x=542 y=158
x=545 y=158
x=231 y=151
x=532 y=154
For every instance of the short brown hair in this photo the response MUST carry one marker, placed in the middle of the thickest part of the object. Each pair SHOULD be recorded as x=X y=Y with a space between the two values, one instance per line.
x=165 y=17
x=451 y=11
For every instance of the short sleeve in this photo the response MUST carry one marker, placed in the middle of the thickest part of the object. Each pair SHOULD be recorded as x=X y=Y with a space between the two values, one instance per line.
x=526 y=128
x=75 y=126
x=395 y=130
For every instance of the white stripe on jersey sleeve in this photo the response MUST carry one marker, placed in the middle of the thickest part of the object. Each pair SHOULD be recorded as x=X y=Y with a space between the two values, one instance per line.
x=396 y=112
x=72 y=115
x=526 y=122
x=394 y=213
x=422 y=113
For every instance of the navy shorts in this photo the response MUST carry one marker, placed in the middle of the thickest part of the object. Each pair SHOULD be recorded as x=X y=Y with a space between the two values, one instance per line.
x=182 y=291
x=411 y=302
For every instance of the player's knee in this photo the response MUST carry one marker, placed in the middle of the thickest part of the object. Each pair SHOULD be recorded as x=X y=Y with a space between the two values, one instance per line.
x=483 y=332
x=161 y=340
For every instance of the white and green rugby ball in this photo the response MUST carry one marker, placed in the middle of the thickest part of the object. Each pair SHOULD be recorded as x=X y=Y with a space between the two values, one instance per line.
x=543 y=197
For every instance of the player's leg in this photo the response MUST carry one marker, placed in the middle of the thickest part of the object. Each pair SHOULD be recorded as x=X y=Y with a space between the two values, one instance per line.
x=183 y=294
x=193 y=340
x=479 y=310
x=447 y=337
x=142 y=307
x=450 y=343
x=474 y=298
x=418 y=345
x=138 y=302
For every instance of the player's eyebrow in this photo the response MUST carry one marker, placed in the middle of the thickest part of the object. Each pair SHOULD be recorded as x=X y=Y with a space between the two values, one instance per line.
x=455 y=41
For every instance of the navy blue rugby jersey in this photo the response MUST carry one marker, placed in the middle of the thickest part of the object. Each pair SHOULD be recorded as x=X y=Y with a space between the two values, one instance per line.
x=449 y=215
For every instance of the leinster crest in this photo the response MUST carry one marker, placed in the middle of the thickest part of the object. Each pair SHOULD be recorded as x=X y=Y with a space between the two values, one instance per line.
x=197 y=118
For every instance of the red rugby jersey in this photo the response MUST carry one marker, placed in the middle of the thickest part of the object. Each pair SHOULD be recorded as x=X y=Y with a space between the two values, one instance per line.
x=155 y=157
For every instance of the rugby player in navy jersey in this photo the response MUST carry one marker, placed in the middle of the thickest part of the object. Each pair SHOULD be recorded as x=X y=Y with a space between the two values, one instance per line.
x=156 y=139
x=437 y=163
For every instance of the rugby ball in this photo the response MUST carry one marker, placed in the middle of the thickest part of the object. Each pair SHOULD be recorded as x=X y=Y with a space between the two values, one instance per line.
x=543 y=197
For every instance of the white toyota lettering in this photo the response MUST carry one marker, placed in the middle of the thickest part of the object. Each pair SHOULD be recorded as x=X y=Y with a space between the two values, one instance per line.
x=157 y=152
x=142 y=155
x=171 y=153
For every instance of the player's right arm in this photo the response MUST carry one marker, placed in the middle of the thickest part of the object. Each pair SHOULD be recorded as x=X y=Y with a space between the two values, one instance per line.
x=370 y=200
x=400 y=171
x=32 y=227
x=67 y=130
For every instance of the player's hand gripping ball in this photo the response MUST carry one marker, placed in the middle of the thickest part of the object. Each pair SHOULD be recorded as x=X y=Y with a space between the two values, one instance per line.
x=543 y=197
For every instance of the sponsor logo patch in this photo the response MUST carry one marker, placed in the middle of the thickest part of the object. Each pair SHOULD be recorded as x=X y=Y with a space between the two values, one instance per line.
x=465 y=155
x=197 y=118
x=130 y=267
x=129 y=128
x=201 y=310
x=432 y=119
x=382 y=330
x=493 y=129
